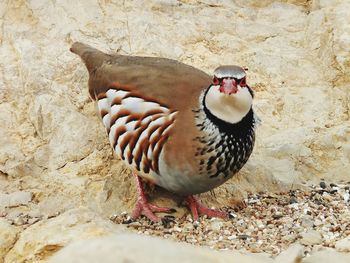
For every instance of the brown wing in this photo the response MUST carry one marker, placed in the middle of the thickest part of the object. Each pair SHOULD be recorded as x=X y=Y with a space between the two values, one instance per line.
x=169 y=83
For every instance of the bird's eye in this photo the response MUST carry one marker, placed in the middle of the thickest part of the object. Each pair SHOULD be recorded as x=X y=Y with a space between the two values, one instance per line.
x=242 y=83
x=216 y=81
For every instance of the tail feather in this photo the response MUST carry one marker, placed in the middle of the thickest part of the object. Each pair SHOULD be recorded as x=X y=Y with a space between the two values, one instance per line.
x=92 y=57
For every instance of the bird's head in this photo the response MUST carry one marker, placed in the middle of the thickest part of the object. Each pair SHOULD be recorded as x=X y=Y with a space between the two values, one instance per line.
x=229 y=98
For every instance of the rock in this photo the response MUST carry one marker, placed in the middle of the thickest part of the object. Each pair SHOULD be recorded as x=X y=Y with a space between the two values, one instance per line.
x=216 y=225
x=126 y=248
x=46 y=237
x=323 y=185
x=15 y=199
x=311 y=237
x=343 y=245
x=307 y=221
x=8 y=236
x=293 y=254
x=63 y=128
x=326 y=256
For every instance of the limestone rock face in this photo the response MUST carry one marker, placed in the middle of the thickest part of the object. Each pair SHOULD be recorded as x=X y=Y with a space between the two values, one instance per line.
x=53 y=146
x=8 y=236
x=39 y=241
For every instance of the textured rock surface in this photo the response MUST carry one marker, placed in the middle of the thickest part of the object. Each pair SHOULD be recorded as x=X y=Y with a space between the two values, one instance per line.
x=325 y=256
x=126 y=248
x=39 y=241
x=8 y=237
x=343 y=245
x=53 y=145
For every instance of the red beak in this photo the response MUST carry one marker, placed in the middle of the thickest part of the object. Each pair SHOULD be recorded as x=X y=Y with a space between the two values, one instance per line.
x=228 y=86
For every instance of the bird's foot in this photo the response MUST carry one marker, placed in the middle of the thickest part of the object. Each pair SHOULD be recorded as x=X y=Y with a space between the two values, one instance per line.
x=198 y=209
x=142 y=207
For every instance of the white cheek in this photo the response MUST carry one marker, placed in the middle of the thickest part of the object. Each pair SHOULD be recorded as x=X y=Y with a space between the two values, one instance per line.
x=230 y=108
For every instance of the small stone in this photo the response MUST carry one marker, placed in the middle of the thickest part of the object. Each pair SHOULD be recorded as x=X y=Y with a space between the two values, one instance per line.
x=19 y=221
x=260 y=224
x=227 y=232
x=216 y=225
x=232 y=215
x=243 y=237
x=293 y=200
x=343 y=245
x=293 y=254
x=307 y=221
x=323 y=185
x=333 y=191
x=277 y=215
x=232 y=237
x=311 y=237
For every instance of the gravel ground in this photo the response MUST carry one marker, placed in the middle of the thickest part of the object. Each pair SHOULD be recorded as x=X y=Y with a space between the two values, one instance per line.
x=270 y=223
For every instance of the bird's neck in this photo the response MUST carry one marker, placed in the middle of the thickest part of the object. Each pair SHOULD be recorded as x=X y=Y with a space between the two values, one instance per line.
x=243 y=125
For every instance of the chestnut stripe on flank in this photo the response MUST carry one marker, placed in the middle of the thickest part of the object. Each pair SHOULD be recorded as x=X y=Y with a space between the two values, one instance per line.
x=159 y=131
x=133 y=117
x=121 y=113
x=118 y=86
x=152 y=112
x=124 y=142
x=135 y=138
x=116 y=101
x=156 y=152
x=138 y=154
x=103 y=113
x=118 y=131
x=146 y=165
x=101 y=96
x=154 y=117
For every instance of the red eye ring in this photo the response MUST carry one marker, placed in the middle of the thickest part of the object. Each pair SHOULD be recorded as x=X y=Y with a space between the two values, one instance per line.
x=216 y=81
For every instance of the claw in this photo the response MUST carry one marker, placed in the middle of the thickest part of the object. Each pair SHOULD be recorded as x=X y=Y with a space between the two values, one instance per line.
x=198 y=209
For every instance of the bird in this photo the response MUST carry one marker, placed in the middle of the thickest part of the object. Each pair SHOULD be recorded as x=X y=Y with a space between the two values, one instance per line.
x=173 y=125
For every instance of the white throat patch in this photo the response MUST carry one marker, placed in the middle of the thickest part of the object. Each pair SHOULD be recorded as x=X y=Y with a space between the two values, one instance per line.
x=230 y=108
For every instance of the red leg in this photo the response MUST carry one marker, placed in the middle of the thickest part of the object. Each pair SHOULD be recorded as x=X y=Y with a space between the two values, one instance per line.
x=142 y=207
x=198 y=209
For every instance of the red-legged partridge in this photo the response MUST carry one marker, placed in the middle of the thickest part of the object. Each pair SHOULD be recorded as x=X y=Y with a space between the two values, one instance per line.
x=174 y=125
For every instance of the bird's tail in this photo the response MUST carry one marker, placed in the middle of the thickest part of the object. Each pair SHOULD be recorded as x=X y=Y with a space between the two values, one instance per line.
x=92 y=57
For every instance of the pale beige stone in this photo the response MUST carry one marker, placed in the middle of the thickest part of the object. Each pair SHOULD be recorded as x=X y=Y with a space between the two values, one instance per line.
x=326 y=256
x=15 y=199
x=293 y=254
x=343 y=245
x=8 y=236
x=134 y=248
x=311 y=237
x=41 y=240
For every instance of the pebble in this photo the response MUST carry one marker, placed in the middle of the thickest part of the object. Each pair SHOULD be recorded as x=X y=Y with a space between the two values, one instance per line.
x=243 y=237
x=323 y=185
x=311 y=237
x=307 y=221
x=269 y=224
x=343 y=245
x=216 y=225
x=293 y=200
